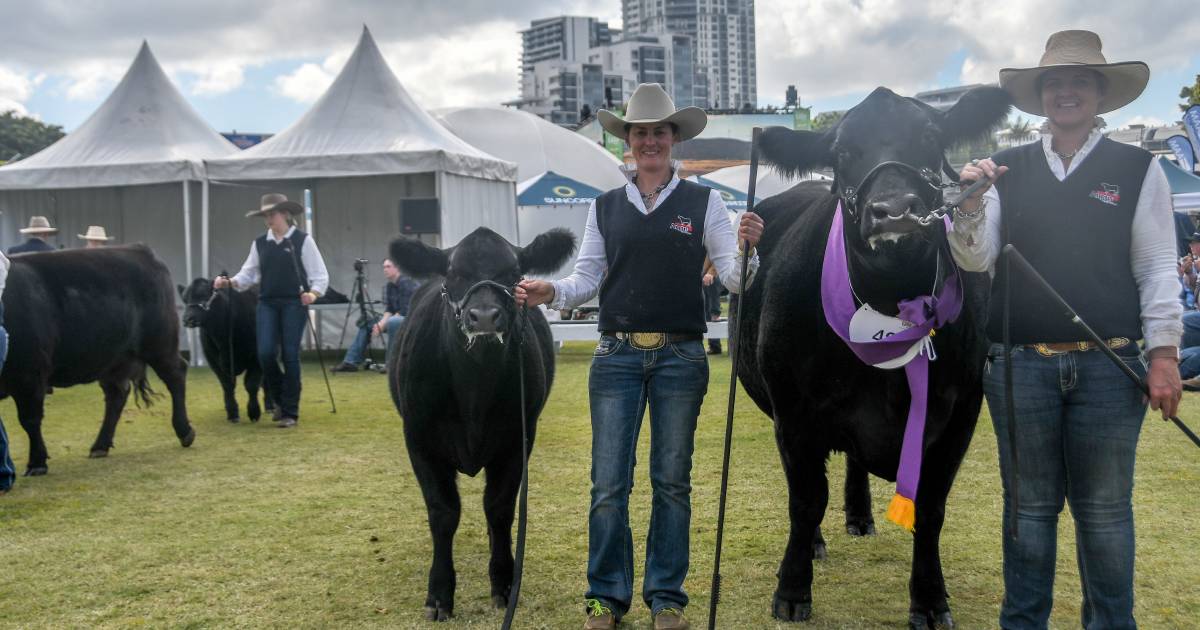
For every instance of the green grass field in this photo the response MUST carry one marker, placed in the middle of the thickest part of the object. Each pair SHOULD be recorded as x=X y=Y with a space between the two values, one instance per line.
x=324 y=526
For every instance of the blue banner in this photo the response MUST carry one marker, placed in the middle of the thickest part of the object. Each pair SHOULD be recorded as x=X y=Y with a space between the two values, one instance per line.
x=1191 y=124
x=1183 y=152
x=552 y=189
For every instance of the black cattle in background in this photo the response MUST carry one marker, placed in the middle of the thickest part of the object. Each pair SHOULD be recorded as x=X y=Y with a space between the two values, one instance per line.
x=86 y=315
x=454 y=379
x=821 y=397
x=224 y=329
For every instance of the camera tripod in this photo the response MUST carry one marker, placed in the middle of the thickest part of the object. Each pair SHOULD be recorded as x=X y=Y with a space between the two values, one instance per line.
x=366 y=312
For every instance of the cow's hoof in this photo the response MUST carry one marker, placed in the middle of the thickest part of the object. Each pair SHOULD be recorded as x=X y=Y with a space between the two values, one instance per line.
x=97 y=453
x=36 y=471
x=820 y=551
x=438 y=613
x=931 y=621
x=233 y=419
x=187 y=440
x=254 y=414
x=499 y=601
x=785 y=610
x=860 y=526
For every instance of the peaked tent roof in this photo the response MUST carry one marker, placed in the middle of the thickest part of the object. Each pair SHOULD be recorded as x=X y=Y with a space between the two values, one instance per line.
x=535 y=144
x=552 y=189
x=1185 y=187
x=145 y=132
x=365 y=124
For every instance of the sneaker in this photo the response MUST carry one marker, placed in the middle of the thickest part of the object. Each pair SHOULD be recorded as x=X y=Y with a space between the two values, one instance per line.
x=277 y=413
x=600 y=617
x=1191 y=384
x=670 y=619
x=344 y=367
x=286 y=422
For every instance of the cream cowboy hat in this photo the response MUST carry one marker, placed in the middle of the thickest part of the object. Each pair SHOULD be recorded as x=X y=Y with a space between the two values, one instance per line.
x=650 y=104
x=39 y=225
x=1066 y=49
x=273 y=202
x=96 y=233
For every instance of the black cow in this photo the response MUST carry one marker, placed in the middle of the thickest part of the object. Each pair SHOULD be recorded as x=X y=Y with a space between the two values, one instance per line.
x=819 y=394
x=454 y=379
x=229 y=338
x=85 y=315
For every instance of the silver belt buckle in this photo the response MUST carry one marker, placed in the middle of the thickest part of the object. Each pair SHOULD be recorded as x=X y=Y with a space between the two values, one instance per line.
x=647 y=340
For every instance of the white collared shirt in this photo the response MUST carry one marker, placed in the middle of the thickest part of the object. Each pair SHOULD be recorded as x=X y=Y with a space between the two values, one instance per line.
x=720 y=241
x=310 y=257
x=977 y=243
x=4 y=263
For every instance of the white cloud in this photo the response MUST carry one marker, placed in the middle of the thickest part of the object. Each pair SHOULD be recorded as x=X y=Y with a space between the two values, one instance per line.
x=307 y=82
x=91 y=80
x=476 y=66
x=218 y=77
x=16 y=88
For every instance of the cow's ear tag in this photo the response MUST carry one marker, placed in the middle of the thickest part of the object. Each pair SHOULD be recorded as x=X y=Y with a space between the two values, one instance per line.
x=870 y=326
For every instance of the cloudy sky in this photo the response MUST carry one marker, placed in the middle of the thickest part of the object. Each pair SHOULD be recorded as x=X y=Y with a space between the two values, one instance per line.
x=256 y=65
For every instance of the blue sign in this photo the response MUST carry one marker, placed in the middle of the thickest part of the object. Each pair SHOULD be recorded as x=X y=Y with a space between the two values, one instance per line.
x=246 y=140
x=552 y=189
x=1191 y=124
x=1183 y=152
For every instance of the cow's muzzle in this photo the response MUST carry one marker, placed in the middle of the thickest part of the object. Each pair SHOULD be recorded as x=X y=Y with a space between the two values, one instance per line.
x=483 y=319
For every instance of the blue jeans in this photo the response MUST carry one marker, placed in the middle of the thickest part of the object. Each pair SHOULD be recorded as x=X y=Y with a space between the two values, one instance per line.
x=1078 y=419
x=8 y=472
x=1189 y=362
x=672 y=381
x=1191 y=329
x=280 y=325
x=358 y=349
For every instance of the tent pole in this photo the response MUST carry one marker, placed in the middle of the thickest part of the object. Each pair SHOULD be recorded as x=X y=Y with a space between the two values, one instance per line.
x=204 y=245
x=187 y=265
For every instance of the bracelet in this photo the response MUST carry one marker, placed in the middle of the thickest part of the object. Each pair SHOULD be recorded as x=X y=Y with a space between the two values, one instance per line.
x=971 y=216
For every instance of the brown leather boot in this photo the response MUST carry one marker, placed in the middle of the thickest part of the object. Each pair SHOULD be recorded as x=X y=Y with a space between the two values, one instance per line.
x=600 y=617
x=670 y=619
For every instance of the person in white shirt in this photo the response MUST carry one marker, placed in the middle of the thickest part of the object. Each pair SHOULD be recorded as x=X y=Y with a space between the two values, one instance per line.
x=287 y=265
x=643 y=251
x=1074 y=196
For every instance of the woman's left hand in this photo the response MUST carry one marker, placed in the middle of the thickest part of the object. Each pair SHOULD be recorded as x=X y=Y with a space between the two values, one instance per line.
x=308 y=297
x=750 y=228
x=1165 y=389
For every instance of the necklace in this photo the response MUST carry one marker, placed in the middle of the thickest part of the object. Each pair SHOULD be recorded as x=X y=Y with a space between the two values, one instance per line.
x=1065 y=156
x=646 y=196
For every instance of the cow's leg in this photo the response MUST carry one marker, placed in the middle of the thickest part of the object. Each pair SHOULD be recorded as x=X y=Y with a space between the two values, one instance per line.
x=499 y=498
x=251 y=381
x=859 y=521
x=439 y=486
x=116 y=394
x=30 y=409
x=173 y=372
x=228 y=387
x=808 y=495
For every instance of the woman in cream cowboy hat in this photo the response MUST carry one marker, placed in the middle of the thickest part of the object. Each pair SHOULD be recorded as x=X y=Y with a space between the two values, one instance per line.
x=96 y=236
x=648 y=241
x=1094 y=217
x=39 y=228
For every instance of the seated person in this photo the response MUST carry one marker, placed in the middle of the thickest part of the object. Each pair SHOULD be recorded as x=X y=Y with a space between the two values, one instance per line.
x=397 y=293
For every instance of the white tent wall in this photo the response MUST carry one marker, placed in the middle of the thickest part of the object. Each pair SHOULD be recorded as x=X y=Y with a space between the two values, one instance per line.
x=470 y=202
x=534 y=220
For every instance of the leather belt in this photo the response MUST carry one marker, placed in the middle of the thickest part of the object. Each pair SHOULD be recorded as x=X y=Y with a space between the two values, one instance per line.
x=654 y=340
x=1052 y=349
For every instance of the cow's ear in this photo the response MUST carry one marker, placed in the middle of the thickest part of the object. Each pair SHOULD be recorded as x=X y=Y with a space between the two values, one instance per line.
x=547 y=252
x=418 y=259
x=978 y=112
x=795 y=152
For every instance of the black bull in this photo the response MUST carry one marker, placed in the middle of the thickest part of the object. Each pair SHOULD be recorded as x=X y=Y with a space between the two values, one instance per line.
x=88 y=315
x=797 y=370
x=454 y=379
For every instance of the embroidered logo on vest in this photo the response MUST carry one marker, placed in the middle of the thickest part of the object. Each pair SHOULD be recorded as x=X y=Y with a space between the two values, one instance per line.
x=1108 y=193
x=682 y=224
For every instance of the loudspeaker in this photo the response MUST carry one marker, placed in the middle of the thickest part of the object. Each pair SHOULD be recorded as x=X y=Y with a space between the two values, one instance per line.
x=420 y=216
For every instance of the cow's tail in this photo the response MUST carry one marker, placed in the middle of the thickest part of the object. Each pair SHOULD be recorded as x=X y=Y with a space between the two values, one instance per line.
x=144 y=394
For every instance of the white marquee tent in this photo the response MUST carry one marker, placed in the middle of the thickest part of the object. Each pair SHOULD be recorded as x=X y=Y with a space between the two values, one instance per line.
x=364 y=151
x=133 y=166
x=767 y=184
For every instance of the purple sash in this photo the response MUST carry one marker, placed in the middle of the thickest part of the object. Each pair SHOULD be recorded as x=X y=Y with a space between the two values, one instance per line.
x=926 y=313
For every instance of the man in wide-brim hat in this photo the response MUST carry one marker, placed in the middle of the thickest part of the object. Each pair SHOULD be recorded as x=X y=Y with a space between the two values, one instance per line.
x=96 y=236
x=648 y=240
x=290 y=272
x=39 y=228
x=1094 y=217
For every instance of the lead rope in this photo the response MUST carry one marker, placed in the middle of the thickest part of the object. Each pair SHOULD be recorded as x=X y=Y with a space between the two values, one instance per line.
x=523 y=500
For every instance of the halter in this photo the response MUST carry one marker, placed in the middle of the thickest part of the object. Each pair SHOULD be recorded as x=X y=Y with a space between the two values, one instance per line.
x=931 y=180
x=457 y=306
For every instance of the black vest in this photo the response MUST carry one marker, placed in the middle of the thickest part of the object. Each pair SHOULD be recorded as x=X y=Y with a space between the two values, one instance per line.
x=277 y=266
x=654 y=262
x=1077 y=234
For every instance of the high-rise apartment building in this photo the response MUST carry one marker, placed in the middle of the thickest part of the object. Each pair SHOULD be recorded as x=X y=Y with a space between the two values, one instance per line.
x=564 y=38
x=722 y=33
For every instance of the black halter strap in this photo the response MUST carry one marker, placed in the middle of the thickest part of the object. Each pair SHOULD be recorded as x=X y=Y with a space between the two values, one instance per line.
x=927 y=176
x=457 y=305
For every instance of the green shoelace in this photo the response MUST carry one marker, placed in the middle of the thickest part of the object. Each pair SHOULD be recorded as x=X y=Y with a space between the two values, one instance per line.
x=596 y=609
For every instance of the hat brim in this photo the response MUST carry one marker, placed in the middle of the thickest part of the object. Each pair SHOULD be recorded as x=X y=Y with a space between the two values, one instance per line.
x=95 y=238
x=39 y=230
x=690 y=121
x=290 y=207
x=1126 y=82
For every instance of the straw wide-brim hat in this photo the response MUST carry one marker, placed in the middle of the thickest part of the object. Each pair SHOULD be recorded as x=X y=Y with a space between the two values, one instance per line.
x=1075 y=49
x=96 y=233
x=39 y=225
x=651 y=105
x=275 y=202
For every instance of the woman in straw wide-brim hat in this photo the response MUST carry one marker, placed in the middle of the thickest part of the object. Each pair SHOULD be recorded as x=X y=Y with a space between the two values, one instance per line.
x=650 y=237
x=287 y=265
x=1094 y=217
x=96 y=236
